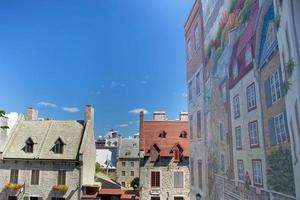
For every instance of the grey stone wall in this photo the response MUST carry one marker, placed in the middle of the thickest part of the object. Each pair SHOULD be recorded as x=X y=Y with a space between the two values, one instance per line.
x=127 y=168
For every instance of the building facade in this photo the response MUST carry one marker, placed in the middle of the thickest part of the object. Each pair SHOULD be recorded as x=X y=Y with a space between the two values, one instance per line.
x=164 y=158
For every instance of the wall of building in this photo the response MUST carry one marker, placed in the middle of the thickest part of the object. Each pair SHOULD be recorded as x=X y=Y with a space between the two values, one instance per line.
x=128 y=169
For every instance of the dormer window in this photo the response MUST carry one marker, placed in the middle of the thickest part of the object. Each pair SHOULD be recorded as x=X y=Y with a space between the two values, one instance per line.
x=59 y=146
x=29 y=146
x=163 y=134
x=177 y=153
x=183 y=134
x=154 y=153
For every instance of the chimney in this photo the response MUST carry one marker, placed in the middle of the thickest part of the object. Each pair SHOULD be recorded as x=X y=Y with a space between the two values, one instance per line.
x=183 y=116
x=141 y=138
x=31 y=114
x=159 y=115
x=89 y=113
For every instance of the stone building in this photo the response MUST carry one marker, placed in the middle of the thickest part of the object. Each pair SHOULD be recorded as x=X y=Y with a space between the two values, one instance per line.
x=164 y=158
x=128 y=161
x=48 y=159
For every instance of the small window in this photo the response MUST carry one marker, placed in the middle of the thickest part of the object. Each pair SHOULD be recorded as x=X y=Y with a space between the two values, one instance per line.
x=221 y=131
x=29 y=146
x=191 y=126
x=123 y=164
x=271 y=36
x=14 y=176
x=235 y=70
x=131 y=173
x=199 y=124
x=222 y=163
x=192 y=171
x=123 y=173
x=123 y=184
x=155 y=179
x=183 y=134
x=35 y=177
x=132 y=164
x=200 y=174
x=248 y=56
x=251 y=97
x=280 y=130
x=253 y=134
x=238 y=137
x=257 y=172
x=240 y=169
x=59 y=146
x=236 y=106
x=275 y=86
x=61 y=179
x=190 y=91
x=163 y=134
x=178 y=179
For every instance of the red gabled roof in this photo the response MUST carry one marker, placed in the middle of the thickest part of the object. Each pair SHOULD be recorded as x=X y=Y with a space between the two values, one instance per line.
x=149 y=135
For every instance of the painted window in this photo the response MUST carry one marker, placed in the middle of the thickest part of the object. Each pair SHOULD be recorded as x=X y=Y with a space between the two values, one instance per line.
x=61 y=179
x=155 y=179
x=189 y=50
x=199 y=124
x=29 y=146
x=253 y=134
x=236 y=106
x=275 y=86
x=14 y=176
x=257 y=172
x=248 y=56
x=235 y=70
x=198 y=84
x=280 y=131
x=238 y=137
x=240 y=169
x=251 y=98
x=178 y=179
x=200 y=174
x=192 y=171
x=196 y=36
x=221 y=131
x=35 y=177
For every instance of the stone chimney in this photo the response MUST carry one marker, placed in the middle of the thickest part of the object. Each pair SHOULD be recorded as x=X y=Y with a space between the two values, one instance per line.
x=89 y=113
x=183 y=116
x=159 y=115
x=31 y=114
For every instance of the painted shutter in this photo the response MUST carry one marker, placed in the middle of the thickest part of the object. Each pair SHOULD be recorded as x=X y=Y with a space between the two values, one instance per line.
x=268 y=93
x=281 y=80
x=286 y=126
x=272 y=134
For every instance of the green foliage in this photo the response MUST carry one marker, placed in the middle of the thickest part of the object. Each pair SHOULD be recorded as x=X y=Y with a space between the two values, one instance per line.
x=280 y=172
x=245 y=13
x=289 y=67
x=13 y=186
x=61 y=188
x=135 y=183
x=286 y=87
x=99 y=168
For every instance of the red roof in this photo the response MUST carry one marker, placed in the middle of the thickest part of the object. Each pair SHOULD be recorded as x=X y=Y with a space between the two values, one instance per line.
x=110 y=192
x=150 y=131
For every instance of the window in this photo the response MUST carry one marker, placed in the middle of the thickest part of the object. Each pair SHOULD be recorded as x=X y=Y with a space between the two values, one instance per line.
x=198 y=83
x=155 y=179
x=163 y=134
x=196 y=36
x=199 y=124
x=57 y=198
x=280 y=131
x=240 y=169
x=12 y=198
x=253 y=134
x=29 y=146
x=192 y=171
x=257 y=172
x=275 y=86
x=251 y=99
x=183 y=134
x=238 y=137
x=132 y=173
x=190 y=91
x=61 y=177
x=222 y=163
x=123 y=173
x=59 y=146
x=271 y=37
x=177 y=151
x=178 y=198
x=235 y=70
x=155 y=198
x=221 y=130
x=189 y=53
x=123 y=164
x=178 y=179
x=248 y=56
x=14 y=176
x=200 y=174
x=132 y=164
x=236 y=106
x=191 y=126
x=35 y=177
x=123 y=184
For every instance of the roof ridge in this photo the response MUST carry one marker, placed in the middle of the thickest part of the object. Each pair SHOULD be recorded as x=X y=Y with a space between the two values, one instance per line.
x=44 y=139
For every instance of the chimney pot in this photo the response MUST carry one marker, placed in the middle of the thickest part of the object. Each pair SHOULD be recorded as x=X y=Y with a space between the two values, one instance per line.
x=31 y=114
x=159 y=115
x=183 y=116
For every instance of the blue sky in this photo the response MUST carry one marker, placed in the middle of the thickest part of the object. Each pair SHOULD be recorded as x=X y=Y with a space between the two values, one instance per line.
x=118 y=55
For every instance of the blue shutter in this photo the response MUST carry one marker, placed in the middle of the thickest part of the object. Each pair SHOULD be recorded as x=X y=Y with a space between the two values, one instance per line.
x=272 y=134
x=286 y=126
x=268 y=93
x=281 y=80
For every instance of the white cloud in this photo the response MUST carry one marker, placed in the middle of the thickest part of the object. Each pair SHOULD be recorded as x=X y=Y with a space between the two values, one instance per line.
x=47 y=104
x=123 y=85
x=144 y=82
x=70 y=109
x=138 y=110
x=113 y=84
x=122 y=125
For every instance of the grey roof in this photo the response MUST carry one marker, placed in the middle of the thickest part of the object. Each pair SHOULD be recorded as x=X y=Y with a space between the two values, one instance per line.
x=45 y=134
x=129 y=148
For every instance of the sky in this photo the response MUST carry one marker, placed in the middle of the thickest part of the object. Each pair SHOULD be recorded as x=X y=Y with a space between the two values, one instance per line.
x=118 y=55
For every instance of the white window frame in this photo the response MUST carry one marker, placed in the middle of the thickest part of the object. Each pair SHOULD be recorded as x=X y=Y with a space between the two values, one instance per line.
x=253 y=134
x=240 y=170
x=275 y=86
x=236 y=106
x=280 y=131
x=31 y=177
x=183 y=177
x=251 y=97
x=257 y=172
x=238 y=137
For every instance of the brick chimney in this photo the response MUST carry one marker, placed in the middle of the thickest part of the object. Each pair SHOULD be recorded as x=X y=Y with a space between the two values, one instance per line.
x=183 y=116
x=159 y=115
x=89 y=113
x=31 y=114
x=141 y=139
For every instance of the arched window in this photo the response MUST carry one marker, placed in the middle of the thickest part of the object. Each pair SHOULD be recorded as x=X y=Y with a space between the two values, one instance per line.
x=59 y=146
x=162 y=134
x=29 y=146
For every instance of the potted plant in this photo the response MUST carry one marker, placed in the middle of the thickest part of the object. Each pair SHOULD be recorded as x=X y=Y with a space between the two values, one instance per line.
x=61 y=188
x=13 y=186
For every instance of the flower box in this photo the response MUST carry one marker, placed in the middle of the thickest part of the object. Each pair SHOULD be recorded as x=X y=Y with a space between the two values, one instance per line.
x=13 y=186
x=61 y=188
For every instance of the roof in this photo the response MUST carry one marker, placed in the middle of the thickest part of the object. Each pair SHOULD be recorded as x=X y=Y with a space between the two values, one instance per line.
x=45 y=134
x=150 y=131
x=129 y=197
x=111 y=192
x=129 y=148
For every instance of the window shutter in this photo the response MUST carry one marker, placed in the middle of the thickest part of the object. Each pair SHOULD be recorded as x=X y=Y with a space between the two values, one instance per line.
x=268 y=93
x=281 y=80
x=272 y=134
x=152 y=179
x=286 y=126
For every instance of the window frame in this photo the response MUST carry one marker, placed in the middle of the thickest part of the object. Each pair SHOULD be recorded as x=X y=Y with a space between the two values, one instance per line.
x=254 y=174
x=248 y=56
x=236 y=106
x=252 y=145
x=198 y=89
x=275 y=86
x=196 y=37
x=240 y=170
x=240 y=146
x=32 y=180
x=183 y=175
x=280 y=125
x=251 y=96
x=14 y=176
x=155 y=185
x=199 y=124
x=189 y=50
x=61 y=177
